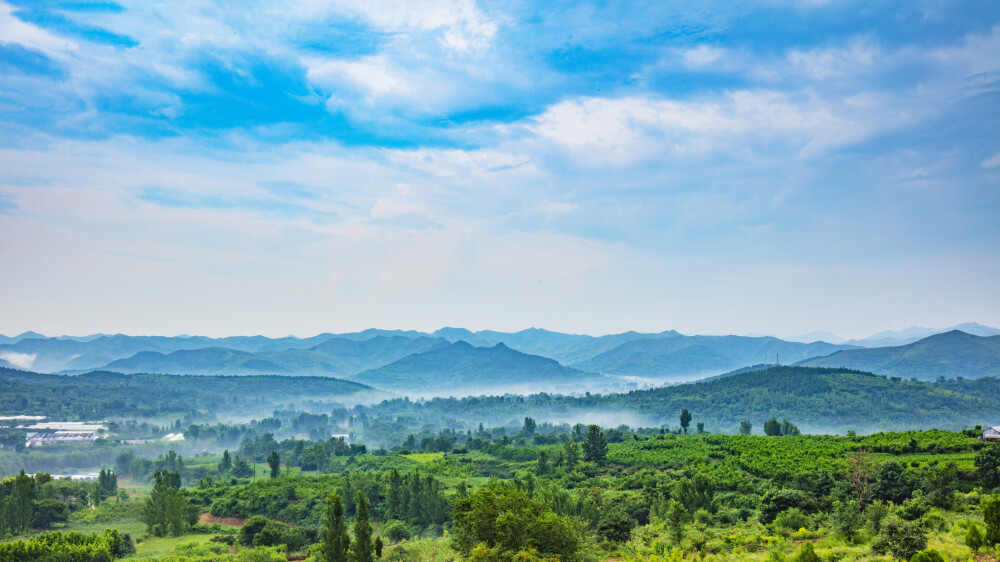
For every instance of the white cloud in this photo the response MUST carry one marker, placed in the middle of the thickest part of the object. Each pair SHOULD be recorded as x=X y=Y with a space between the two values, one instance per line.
x=13 y=30
x=991 y=162
x=20 y=360
x=833 y=62
x=702 y=55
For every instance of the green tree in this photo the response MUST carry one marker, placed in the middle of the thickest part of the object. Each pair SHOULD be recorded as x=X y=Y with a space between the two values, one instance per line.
x=227 y=461
x=379 y=545
x=701 y=427
x=335 y=540
x=615 y=525
x=990 y=506
x=974 y=538
x=900 y=538
x=789 y=428
x=595 y=448
x=685 y=419
x=806 y=553
x=274 y=462
x=396 y=531
x=503 y=521
x=891 y=483
x=19 y=507
x=929 y=555
x=674 y=519
x=571 y=454
x=362 y=546
x=529 y=427
x=846 y=520
x=772 y=427
x=542 y=467
x=988 y=466
x=745 y=427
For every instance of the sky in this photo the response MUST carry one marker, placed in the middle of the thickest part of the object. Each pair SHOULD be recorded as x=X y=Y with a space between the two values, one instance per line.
x=242 y=167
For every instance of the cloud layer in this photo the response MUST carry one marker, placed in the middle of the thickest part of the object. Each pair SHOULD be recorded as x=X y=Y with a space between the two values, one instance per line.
x=232 y=167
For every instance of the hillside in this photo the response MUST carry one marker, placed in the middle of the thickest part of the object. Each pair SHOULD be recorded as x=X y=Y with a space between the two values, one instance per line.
x=951 y=354
x=461 y=368
x=333 y=357
x=682 y=357
x=101 y=395
x=816 y=399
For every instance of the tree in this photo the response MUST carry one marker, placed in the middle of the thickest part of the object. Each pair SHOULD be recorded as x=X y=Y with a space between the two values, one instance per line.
x=396 y=531
x=615 y=525
x=929 y=555
x=595 y=448
x=675 y=517
x=990 y=506
x=701 y=427
x=529 y=427
x=274 y=462
x=988 y=466
x=847 y=520
x=900 y=538
x=572 y=454
x=20 y=505
x=48 y=512
x=789 y=428
x=227 y=461
x=806 y=554
x=543 y=463
x=500 y=521
x=379 y=545
x=974 y=538
x=772 y=427
x=685 y=419
x=363 y=546
x=745 y=427
x=891 y=483
x=166 y=510
x=861 y=468
x=335 y=540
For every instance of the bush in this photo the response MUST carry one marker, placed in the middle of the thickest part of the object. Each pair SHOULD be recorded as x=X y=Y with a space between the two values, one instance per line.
x=395 y=530
x=900 y=538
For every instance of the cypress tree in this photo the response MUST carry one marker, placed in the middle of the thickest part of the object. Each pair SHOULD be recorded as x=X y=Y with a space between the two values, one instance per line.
x=335 y=539
x=363 y=546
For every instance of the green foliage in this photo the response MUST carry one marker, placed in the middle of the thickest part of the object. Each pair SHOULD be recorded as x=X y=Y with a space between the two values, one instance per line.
x=595 y=448
x=615 y=525
x=929 y=555
x=166 y=510
x=396 y=531
x=503 y=520
x=685 y=419
x=846 y=520
x=806 y=554
x=362 y=546
x=891 y=483
x=990 y=506
x=70 y=547
x=335 y=540
x=988 y=466
x=900 y=538
x=974 y=538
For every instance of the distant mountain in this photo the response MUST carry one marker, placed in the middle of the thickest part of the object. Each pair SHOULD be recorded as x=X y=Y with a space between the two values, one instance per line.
x=892 y=338
x=24 y=336
x=686 y=357
x=334 y=357
x=951 y=354
x=565 y=348
x=76 y=355
x=460 y=368
x=828 y=337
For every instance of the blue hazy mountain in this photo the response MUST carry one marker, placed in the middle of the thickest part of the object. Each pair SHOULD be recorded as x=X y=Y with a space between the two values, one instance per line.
x=461 y=368
x=687 y=357
x=334 y=357
x=951 y=354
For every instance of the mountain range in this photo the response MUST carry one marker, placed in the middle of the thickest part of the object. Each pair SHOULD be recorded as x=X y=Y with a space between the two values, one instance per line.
x=453 y=360
x=947 y=355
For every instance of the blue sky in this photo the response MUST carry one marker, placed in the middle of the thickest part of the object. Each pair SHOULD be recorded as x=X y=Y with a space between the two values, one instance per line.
x=297 y=167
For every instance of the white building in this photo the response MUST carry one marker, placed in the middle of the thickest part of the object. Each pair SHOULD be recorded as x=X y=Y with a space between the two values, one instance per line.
x=991 y=433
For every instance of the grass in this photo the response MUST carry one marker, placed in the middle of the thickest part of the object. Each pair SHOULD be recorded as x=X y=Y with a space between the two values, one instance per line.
x=424 y=458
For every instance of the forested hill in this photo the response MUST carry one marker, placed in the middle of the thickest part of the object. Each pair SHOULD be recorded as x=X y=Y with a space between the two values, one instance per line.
x=951 y=354
x=100 y=395
x=461 y=368
x=686 y=357
x=817 y=399
x=337 y=357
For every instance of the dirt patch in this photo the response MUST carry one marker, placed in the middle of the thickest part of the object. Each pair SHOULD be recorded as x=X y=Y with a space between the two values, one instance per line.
x=208 y=519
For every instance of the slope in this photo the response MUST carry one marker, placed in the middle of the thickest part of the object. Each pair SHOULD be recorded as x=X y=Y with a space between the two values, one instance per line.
x=696 y=356
x=460 y=368
x=951 y=354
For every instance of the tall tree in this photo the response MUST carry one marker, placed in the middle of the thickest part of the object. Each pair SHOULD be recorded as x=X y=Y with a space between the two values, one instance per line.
x=543 y=463
x=335 y=539
x=363 y=546
x=772 y=427
x=595 y=448
x=227 y=461
x=861 y=468
x=685 y=419
x=745 y=427
x=529 y=427
x=274 y=462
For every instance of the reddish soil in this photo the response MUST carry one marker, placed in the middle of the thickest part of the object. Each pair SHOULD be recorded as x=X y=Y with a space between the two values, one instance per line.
x=208 y=519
